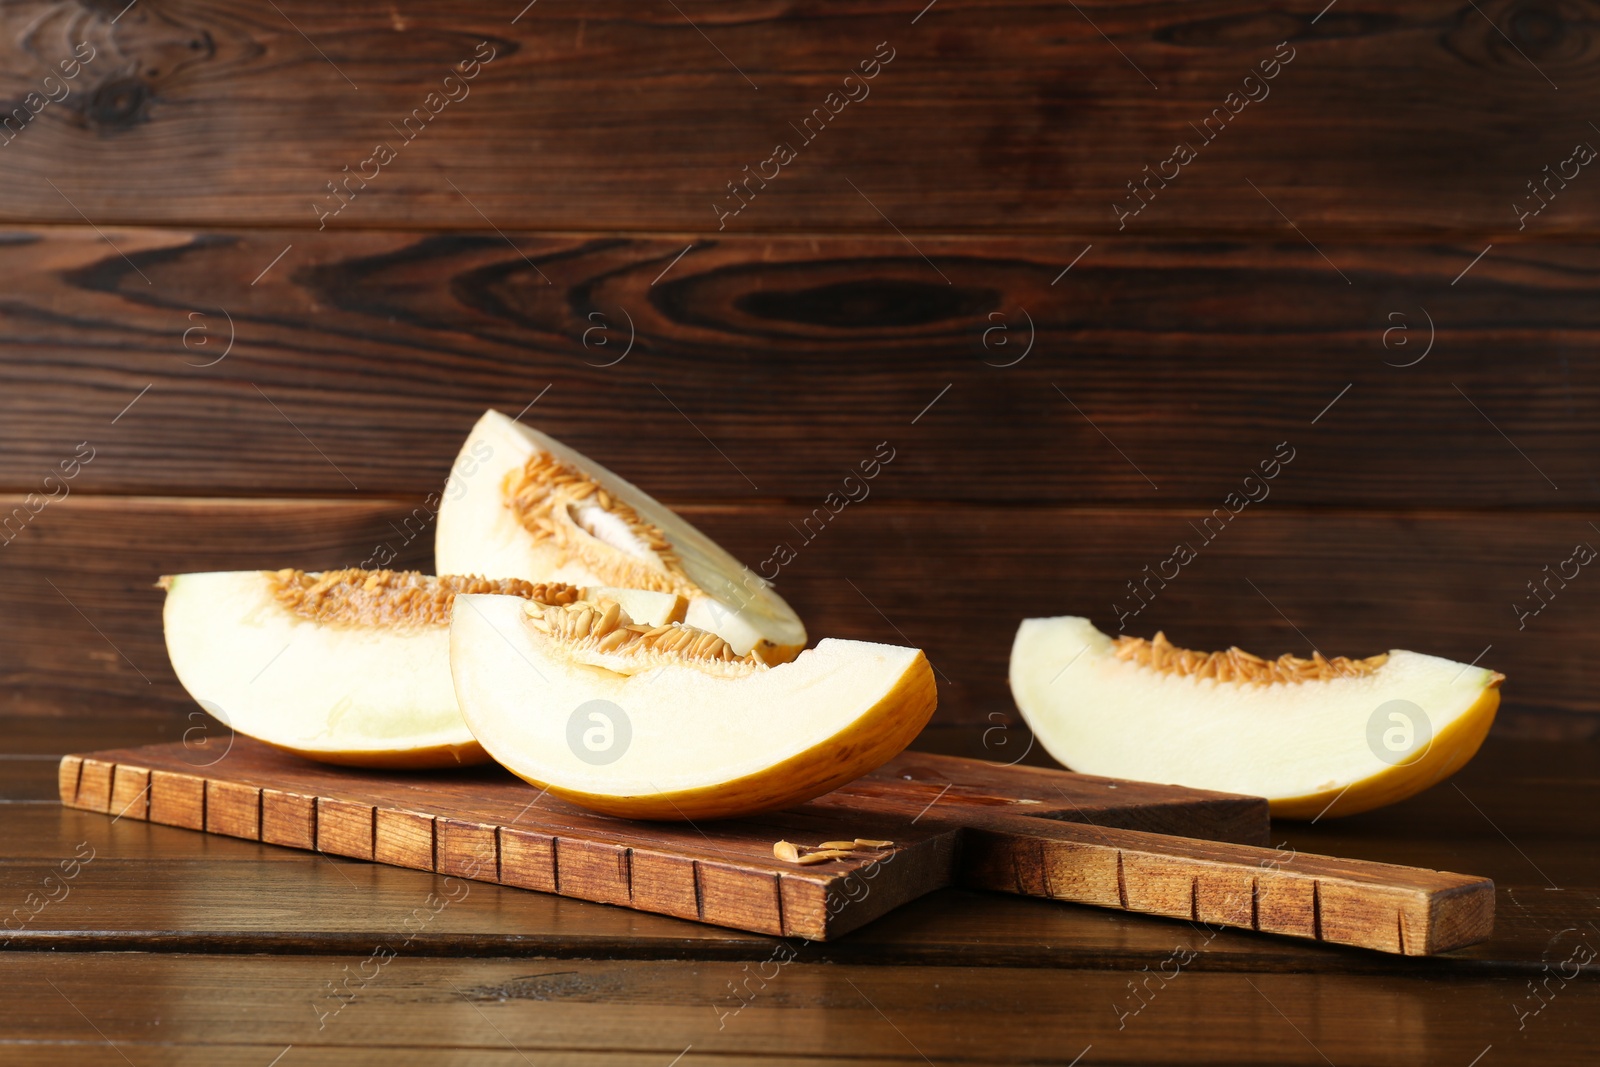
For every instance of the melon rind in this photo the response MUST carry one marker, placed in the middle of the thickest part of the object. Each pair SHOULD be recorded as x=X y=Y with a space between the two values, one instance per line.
x=1305 y=746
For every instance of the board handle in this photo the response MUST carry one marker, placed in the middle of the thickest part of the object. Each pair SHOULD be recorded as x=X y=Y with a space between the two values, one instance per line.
x=1404 y=910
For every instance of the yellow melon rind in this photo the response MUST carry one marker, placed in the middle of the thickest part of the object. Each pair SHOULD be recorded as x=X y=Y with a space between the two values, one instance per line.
x=883 y=733
x=1457 y=743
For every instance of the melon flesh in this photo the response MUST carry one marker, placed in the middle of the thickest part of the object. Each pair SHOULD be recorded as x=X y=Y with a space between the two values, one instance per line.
x=371 y=690
x=1320 y=746
x=695 y=737
x=520 y=504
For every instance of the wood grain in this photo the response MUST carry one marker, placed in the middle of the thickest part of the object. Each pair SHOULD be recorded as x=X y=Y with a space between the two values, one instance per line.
x=1344 y=902
x=723 y=874
x=786 y=1014
x=976 y=959
x=998 y=139
x=1157 y=373
x=996 y=827
x=81 y=623
x=1515 y=784
x=1429 y=117
x=154 y=888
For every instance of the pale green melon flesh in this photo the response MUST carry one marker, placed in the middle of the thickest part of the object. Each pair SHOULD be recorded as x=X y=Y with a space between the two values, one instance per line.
x=324 y=690
x=1101 y=715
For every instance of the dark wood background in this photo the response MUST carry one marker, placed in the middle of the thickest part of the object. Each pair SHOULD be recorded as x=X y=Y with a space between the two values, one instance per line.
x=905 y=280
x=1342 y=269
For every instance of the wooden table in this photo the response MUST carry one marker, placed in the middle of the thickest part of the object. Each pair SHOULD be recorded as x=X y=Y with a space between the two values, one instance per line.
x=146 y=944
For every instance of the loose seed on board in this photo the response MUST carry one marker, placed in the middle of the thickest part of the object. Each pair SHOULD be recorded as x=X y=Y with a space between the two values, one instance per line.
x=813 y=858
x=786 y=851
x=865 y=843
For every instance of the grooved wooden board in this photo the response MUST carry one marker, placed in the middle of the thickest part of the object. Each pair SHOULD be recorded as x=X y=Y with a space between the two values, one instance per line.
x=1162 y=850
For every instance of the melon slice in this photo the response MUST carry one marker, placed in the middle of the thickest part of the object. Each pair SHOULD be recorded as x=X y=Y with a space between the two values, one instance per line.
x=669 y=722
x=519 y=504
x=1315 y=737
x=349 y=666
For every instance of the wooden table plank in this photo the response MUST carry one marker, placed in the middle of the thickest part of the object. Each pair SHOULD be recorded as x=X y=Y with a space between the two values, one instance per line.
x=613 y=115
x=946 y=1014
x=1355 y=583
x=385 y=346
x=27 y=778
x=277 y=906
x=68 y=1053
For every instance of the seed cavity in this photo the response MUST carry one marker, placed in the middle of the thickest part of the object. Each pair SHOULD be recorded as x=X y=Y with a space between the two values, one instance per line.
x=602 y=634
x=396 y=599
x=1237 y=665
x=566 y=510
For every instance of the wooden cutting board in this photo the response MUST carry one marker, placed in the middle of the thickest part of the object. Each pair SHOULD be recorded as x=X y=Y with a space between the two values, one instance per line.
x=1155 y=849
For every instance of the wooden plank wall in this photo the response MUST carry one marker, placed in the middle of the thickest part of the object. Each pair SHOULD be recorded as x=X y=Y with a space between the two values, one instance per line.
x=261 y=267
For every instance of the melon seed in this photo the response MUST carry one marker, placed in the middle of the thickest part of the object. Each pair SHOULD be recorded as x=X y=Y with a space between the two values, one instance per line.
x=402 y=599
x=1236 y=664
x=813 y=858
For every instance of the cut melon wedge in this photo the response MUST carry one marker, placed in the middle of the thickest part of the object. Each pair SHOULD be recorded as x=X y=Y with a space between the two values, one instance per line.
x=519 y=504
x=669 y=723
x=349 y=667
x=1315 y=737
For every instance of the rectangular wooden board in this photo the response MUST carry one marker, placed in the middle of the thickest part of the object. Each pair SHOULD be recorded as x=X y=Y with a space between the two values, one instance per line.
x=484 y=824
x=1134 y=846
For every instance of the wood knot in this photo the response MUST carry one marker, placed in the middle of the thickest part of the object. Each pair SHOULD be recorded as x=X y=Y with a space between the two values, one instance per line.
x=1537 y=28
x=881 y=303
x=117 y=103
x=1541 y=39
